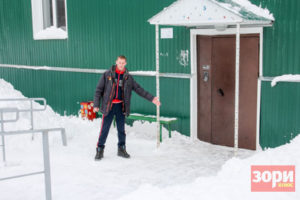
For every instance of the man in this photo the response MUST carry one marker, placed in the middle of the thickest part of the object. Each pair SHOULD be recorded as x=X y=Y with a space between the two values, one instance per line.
x=114 y=92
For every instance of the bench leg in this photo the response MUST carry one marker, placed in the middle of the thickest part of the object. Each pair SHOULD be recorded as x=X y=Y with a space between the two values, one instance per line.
x=169 y=131
x=160 y=138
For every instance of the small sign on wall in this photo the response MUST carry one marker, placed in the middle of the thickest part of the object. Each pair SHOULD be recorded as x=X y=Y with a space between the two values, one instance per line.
x=166 y=33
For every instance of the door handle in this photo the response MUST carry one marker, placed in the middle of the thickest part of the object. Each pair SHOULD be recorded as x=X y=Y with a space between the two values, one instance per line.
x=221 y=92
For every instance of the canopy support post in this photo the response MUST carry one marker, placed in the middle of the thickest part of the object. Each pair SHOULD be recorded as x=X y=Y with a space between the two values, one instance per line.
x=237 y=78
x=157 y=82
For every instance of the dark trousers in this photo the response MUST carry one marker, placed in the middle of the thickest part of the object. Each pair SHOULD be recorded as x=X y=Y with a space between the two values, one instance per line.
x=106 y=122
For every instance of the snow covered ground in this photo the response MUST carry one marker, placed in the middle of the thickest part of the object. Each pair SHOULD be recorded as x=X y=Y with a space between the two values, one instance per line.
x=179 y=169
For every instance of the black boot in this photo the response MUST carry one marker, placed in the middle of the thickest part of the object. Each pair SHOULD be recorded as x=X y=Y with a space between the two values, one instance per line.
x=99 y=153
x=122 y=152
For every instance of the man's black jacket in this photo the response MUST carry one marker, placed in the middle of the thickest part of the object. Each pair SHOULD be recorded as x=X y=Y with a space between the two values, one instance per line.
x=106 y=88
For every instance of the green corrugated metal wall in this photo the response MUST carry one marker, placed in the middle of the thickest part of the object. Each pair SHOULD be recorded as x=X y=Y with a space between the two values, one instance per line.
x=98 y=31
x=280 y=113
x=280 y=107
x=94 y=41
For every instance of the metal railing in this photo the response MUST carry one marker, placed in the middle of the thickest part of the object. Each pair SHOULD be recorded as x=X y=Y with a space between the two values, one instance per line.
x=45 y=139
x=31 y=109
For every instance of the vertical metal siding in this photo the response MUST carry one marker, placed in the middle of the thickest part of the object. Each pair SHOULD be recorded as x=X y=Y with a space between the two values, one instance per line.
x=280 y=113
x=98 y=31
x=282 y=41
x=280 y=108
x=170 y=51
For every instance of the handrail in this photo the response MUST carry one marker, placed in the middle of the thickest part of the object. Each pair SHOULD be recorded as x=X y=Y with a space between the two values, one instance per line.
x=8 y=110
x=46 y=158
x=45 y=138
x=29 y=99
x=31 y=109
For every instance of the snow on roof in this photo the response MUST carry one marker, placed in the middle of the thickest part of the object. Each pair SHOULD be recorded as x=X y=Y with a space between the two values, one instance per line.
x=247 y=9
x=212 y=12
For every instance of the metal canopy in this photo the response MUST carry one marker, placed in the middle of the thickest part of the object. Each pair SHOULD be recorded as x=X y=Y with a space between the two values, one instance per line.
x=194 y=13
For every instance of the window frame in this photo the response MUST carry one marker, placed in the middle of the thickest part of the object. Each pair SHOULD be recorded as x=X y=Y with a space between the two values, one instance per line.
x=49 y=33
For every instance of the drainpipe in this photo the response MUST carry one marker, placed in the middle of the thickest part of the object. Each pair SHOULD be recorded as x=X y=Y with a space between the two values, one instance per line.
x=157 y=82
x=237 y=79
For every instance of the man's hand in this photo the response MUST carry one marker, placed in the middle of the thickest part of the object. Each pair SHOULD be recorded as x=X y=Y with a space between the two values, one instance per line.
x=96 y=109
x=156 y=101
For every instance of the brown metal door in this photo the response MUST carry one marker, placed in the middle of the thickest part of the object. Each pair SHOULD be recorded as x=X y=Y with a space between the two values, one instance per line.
x=216 y=59
x=223 y=87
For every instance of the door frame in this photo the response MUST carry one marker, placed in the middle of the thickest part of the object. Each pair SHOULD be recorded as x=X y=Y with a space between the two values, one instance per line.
x=193 y=80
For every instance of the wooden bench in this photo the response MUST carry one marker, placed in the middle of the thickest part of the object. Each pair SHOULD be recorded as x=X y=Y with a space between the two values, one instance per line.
x=150 y=118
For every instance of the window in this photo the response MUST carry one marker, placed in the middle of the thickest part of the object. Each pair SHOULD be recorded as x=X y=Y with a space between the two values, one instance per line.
x=49 y=19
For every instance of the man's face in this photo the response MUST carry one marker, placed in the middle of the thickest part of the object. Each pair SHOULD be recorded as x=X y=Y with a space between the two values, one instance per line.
x=121 y=64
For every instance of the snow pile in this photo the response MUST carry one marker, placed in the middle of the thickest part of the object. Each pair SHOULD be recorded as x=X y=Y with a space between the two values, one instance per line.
x=73 y=125
x=285 y=78
x=232 y=182
x=42 y=119
x=75 y=174
x=180 y=169
x=51 y=32
x=247 y=5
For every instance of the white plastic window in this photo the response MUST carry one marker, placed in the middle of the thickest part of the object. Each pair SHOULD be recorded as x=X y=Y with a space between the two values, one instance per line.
x=49 y=19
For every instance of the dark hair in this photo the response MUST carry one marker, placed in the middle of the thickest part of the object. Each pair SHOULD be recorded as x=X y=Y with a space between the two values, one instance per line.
x=122 y=57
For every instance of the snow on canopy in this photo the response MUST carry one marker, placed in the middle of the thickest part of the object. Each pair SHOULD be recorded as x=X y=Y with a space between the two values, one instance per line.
x=212 y=12
x=246 y=9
